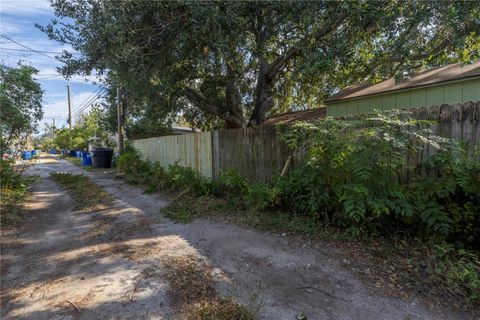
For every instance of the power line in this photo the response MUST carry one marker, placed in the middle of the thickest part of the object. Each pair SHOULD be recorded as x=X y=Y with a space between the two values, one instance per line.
x=85 y=101
x=30 y=50
x=86 y=107
x=48 y=77
x=89 y=103
x=22 y=45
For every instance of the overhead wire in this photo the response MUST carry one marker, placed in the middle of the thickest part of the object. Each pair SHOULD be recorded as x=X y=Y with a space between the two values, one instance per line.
x=86 y=103
x=27 y=47
x=48 y=77
x=89 y=103
x=87 y=99
x=30 y=50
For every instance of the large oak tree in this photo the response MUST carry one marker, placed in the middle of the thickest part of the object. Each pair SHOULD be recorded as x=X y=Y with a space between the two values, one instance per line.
x=238 y=61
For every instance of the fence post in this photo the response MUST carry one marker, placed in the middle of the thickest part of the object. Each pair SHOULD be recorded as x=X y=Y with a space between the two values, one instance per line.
x=215 y=156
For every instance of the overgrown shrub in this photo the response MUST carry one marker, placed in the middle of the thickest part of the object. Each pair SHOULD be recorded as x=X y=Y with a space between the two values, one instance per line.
x=448 y=203
x=135 y=169
x=255 y=196
x=154 y=177
x=13 y=189
x=459 y=269
x=367 y=175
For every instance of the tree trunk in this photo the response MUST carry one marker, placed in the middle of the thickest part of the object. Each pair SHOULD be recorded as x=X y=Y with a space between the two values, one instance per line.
x=263 y=96
x=233 y=101
x=231 y=117
x=268 y=71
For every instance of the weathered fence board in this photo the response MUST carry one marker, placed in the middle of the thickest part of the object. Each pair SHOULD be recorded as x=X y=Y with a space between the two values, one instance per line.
x=258 y=154
x=192 y=150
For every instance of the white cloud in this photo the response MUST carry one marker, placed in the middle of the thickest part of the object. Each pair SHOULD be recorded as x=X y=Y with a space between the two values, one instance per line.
x=8 y=27
x=26 y=7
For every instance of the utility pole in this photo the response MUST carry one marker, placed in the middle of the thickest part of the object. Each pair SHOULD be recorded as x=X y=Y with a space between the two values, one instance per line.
x=119 y=121
x=53 y=128
x=69 y=115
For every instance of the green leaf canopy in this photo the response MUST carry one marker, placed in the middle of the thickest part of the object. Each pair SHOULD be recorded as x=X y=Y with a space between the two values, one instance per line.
x=240 y=61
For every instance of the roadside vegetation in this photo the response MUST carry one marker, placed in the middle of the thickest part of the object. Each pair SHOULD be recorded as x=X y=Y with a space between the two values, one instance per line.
x=77 y=162
x=74 y=160
x=13 y=191
x=87 y=194
x=415 y=217
x=192 y=289
x=87 y=125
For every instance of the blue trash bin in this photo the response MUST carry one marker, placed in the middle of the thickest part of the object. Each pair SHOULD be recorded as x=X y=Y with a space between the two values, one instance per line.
x=34 y=153
x=87 y=159
x=27 y=155
x=78 y=154
x=53 y=151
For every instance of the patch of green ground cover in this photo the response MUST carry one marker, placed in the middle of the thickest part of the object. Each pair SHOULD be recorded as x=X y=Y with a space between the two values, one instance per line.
x=192 y=290
x=87 y=194
x=78 y=162
x=13 y=191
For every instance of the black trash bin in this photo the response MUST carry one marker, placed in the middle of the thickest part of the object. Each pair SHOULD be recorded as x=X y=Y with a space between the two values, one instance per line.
x=102 y=158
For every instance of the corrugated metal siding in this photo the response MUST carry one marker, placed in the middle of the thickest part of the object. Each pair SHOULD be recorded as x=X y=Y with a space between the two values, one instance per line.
x=190 y=150
x=462 y=91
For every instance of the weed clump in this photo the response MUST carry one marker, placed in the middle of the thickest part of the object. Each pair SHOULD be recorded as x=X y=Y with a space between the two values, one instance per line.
x=192 y=291
x=88 y=195
x=13 y=191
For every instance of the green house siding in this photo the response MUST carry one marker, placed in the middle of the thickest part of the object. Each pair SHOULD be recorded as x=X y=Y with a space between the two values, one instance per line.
x=418 y=98
x=461 y=91
x=434 y=96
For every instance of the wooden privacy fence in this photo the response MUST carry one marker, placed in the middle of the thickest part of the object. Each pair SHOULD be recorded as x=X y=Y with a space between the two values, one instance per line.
x=256 y=153
x=193 y=150
x=259 y=155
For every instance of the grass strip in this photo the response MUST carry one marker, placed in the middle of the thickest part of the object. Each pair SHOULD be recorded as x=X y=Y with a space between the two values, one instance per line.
x=87 y=194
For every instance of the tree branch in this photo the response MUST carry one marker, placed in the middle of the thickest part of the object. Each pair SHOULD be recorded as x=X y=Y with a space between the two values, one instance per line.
x=280 y=62
x=222 y=111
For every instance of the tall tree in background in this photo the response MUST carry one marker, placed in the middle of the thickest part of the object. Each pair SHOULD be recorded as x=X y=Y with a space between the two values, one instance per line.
x=20 y=104
x=88 y=126
x=239 y=61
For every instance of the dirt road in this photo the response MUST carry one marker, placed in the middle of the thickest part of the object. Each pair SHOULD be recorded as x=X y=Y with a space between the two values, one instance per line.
x=64 y=264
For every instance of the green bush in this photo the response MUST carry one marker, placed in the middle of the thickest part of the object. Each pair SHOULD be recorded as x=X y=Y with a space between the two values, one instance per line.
x=449 y=202
x=261 y=197
x=136 y=170
x=459 y=269
x=366 y=176
x=154 y=177
x=13 y=190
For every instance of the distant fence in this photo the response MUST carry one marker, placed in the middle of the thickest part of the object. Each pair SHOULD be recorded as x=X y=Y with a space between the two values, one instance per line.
x=258 y=154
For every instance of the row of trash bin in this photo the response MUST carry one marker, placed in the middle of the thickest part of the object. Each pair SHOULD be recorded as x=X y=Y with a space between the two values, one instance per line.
x=27 y=155
x=98 y=158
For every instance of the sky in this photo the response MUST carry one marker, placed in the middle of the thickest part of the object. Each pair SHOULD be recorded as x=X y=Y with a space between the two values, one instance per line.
x=17 y=22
